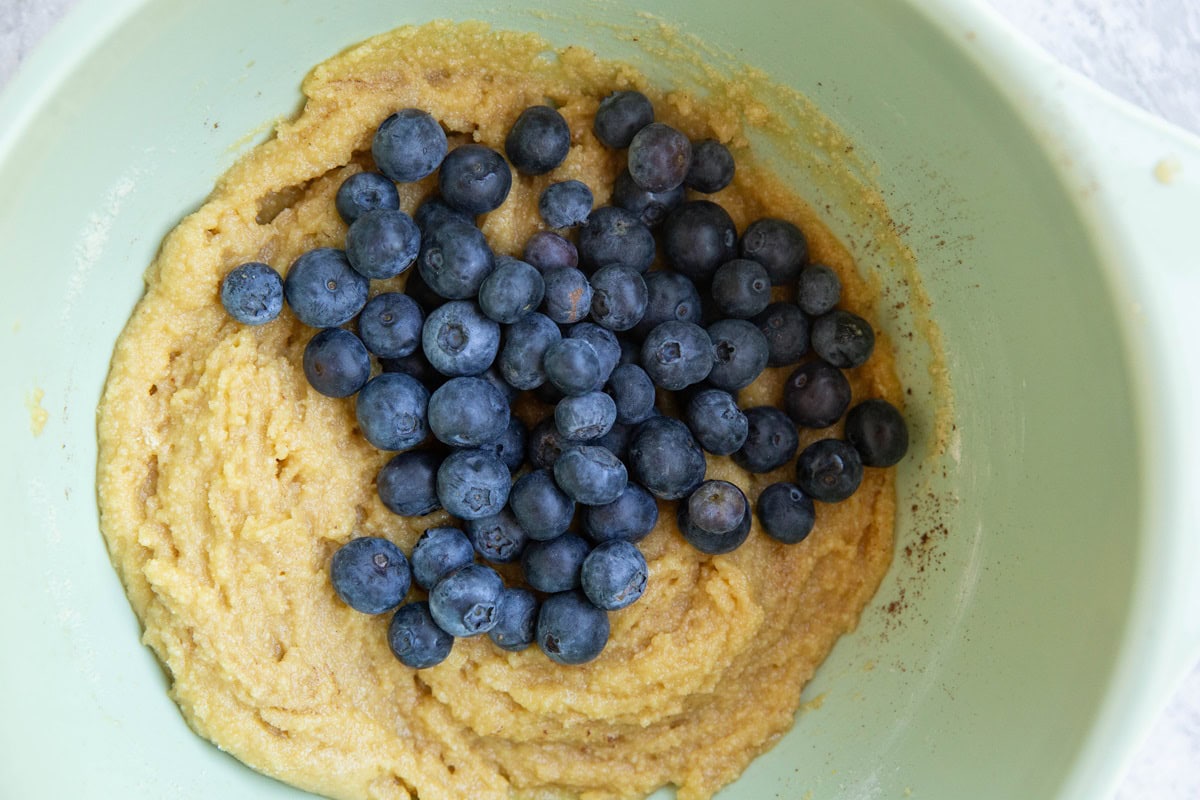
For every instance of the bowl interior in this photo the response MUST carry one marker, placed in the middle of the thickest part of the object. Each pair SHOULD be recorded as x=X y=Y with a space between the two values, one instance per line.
x=980 y=664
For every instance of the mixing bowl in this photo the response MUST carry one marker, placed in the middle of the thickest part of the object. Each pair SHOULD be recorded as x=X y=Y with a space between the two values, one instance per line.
x=1040 y=605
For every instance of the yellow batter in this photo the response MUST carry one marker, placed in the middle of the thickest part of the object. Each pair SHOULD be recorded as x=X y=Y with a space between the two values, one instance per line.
x=226 y=483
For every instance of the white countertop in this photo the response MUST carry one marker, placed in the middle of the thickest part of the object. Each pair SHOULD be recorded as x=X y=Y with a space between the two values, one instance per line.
x=1147 y=51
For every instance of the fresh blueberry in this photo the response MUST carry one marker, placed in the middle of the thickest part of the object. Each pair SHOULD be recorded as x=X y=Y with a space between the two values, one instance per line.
x=510 y=447
x=620 y=116
x=383 y=243
x=618 y=297
x=370 y=574
x=496 y=378
x=741 y=288
x=778 y=245
x=698 y=237
x=677 y=354
x=712 y=167
x=771 y=440
x=616 y=441
x=516 y=619
x=455 y=259
x=336 y=363
x=391 y=411
x=591 y=476
x=649 y=207
x=546 y=250
x=541 y=508
x=604 y=342
x=553 y=565
x=407 y=484
x=415 y=639
x=498 y=538
x=513 y=290
x=463 y=603
x=538 y=141
x=437 y=553
x=572 y=366
x=473 y=484
x=474 y=179
x=818 y=289
x=390 y=325
x=459 y=340
x=631 y=516
x=613 y=235
x=787 y=330
x=363 y=192
x=416 y=288
x=786 y=513
x=716 y=421
x=435 y=211
x=252 y=293
x=409 y=145
x=659 y=157
x=525 y=346
x=664 y=457
x=614 y=575
x=570 y=630
x=716 y=518
x=585 y=417
x=323 y=290
x=842 y=338
x=669 y=296
x=545 y=445
x=878 y=432
x=416 y=365
x=565 y=204
x=739 y=353
x=816 y=395
x=829 y=470
x=568 y=295
x=632 y=392
x=467 y=412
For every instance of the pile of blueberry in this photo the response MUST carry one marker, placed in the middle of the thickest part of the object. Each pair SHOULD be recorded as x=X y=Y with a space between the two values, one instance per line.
x=636 y=371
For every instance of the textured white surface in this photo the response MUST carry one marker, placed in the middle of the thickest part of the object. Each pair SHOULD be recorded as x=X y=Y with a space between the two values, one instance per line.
x=1147 y=51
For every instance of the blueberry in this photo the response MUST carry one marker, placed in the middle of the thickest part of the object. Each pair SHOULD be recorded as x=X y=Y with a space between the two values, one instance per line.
x=632 y=392
x=516 y=619
x=463 y=603
x=614 y=575
x=545 y=444
x=669 y=296
x=572 y=366
x=390 y=325
x=620 y=116
x=407 y=484
x=649 y=207
x=698 y=237
x=538 y=141
x=438 y=552
x=771 y=440
x=659 y=157
x=546 y=250
x=416 y=365
x=741 y=288
x=786 y=513
x=391 y=411
x=740 y=354
x=565 y=204
x=416 y=288
x=510 y=447
x=878 y=433
x=616 y=441
x=618 y=297
x=415 y=639
x=677 y=354
x=829 y=470
x=467 y=412
x=336 y=363
x=631 y=516
x=665 y=458
x=525 y=346
x=570 y=630
x=370 y=574
x=409 y=145
x=382 y=243
x=323 y=290
x=778 y=245
x=712 y=167
x=493 y=376
x=585 y=417
x=498 y=538
x=590 y=475
x=363 y=192
x=474 y=179
x=435 y=211
x=716 y=518
x=787 y=330
x=843 y=339
x=613 y=235
x=252 y=293
x=568 y=295
x=472 y=484
x=816 y=395
x=459 y=340
x=512 y=291
x=604 y=342
x=818 y=289
x=455 y=259
x=553 y=565
x=716 y=421
x=541 y=508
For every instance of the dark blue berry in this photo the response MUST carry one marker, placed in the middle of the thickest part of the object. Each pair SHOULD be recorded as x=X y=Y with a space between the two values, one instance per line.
x=415 y=639
x=510 y=447
x=716 y=421
x=572 y=366
x=818 y=289
x=467 y=412
x=416 y=365
x=565 y=204
x=604 y=342
x=649 y=207
x=829 y=470
x=664 y=457
x=391 y=411
x=771 y=440
x=741 y=288
x=459 y=340
x=631 y=516
x=416 y=288
x=546 y=250
x=585 y=417
x=370 y=574
x=545 y=444
x=390 y=325
x=632 y=392
x=474 y=179
x=613 y=235
x=620 y=116
x=740 y=354
x=363 y=192
x=787 y=330
x=616 y=441
x=614 y=575
x=669 y=297
x=336 y=363
x=383 y=243
x=493 y=376
x=570 y=630
x=437 y=553
x=463 y=603
x=513 y=290
x=525 y=346
x=618 y=297
x=716 y=518
x=538 y=141
x=590 y=475
x=553 y=565
x=677 y=354
x=407 y=484
x=498 y=538
x=816 y=395
x=842 y=338
x=712 y=167
x=542 y=509
x=435 y=211
x=252 y=293
x=659 y=157
x=698 y=237
x=568 y=295
x=409 y=145
x=473 y=484
x=878 y=432
x=778 y=245
x=786 y=513
x=323 y=290
x=455 y=259
x=516 y=619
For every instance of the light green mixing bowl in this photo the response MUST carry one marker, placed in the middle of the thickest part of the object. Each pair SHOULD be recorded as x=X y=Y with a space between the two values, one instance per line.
x=1035 y=637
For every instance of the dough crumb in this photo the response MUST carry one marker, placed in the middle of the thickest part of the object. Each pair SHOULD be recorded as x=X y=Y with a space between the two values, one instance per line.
x=38 y=416
x=1167 y=169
